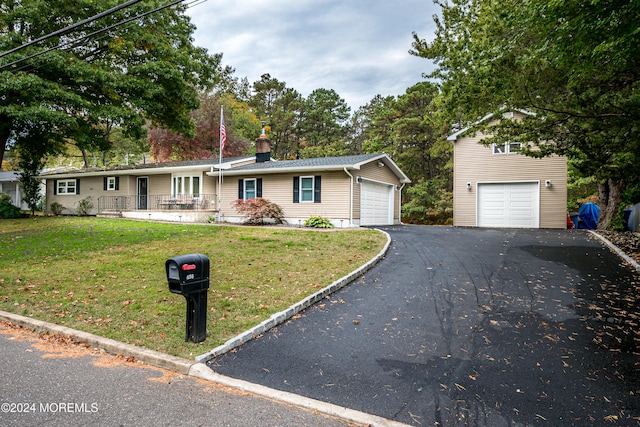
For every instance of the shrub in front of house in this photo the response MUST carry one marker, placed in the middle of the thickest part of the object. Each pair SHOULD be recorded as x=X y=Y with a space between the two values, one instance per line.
x=84 y=206
x=318 y=222
x=56 y=208
x=7 y=208
x=259 y=211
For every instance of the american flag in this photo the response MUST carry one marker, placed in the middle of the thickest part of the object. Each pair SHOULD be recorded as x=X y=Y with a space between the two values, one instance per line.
x=223 y=132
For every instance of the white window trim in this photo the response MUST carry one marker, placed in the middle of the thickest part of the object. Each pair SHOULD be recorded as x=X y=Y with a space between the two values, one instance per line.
x=313 y=186
x=506 y=148
x=66 y=187
x=255 y=188
x=182 y=191
x=111 y=183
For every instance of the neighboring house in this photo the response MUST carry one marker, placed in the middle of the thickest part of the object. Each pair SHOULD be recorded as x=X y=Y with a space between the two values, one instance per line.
x=351 y=190
x=10 y=184
x=495 y=186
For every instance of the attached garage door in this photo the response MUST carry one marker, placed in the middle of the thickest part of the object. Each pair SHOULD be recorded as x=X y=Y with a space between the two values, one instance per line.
x=376 y=203
x=513 y=204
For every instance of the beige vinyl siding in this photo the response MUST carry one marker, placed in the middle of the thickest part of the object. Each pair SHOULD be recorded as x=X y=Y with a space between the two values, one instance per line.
x=279 y=189
x=476 y=163
x=209 y=185
x=89 y=186
x=158 y=185
x=248 y=161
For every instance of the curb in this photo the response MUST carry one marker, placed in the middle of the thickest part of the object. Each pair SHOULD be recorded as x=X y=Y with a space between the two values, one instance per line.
x=197 y=369
x=151 y=357
x=287 y=314
x=617 y=250
x=202 y=371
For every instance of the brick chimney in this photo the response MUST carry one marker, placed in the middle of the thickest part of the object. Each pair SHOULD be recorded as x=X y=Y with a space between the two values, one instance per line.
x=263 y=148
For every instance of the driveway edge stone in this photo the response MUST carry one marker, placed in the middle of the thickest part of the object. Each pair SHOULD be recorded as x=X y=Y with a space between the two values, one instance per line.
x=202 y=371
x=616 y=249
x=288 y=313
x=198 y=369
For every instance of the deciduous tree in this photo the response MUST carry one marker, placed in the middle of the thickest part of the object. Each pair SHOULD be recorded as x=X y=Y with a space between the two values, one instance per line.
x=81 y=86
x=575 y=65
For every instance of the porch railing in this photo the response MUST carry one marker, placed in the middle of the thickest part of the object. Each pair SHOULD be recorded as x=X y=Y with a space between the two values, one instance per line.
x=157 y=202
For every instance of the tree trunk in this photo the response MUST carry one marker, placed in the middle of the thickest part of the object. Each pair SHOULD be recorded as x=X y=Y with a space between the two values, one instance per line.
x=609 y=199
x=4 y=137
x=85 y=157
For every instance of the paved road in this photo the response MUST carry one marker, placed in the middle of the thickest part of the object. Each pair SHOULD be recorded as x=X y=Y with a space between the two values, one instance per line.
x=40 y=387
x=461 y=326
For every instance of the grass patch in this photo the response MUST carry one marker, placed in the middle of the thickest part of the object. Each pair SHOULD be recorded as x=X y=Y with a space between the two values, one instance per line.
x=107 y=276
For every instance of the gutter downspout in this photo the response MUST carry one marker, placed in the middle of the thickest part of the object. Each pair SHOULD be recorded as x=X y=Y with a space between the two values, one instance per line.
x=400 y=203
x=350 y=197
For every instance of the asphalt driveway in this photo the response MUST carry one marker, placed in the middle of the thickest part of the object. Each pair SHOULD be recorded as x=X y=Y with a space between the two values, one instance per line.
x=459 y=326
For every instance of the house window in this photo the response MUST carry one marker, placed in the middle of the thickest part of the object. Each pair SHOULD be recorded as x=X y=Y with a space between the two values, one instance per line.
x=67 y=186
x=507 y=148
x=306 y=189
x=185 y=185
x=249 y=188
x=111 y=183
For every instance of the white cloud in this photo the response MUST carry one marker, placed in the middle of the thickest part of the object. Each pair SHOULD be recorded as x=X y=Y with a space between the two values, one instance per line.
x=357 y=48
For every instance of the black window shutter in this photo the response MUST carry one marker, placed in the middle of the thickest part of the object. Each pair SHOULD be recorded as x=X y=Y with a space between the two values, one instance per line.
x=78 y=186
x=241 y=189
x=296 y=189
x=259 y=187
x=55 y=187
x=117 y=182
x=316 y=189
x=104 y=183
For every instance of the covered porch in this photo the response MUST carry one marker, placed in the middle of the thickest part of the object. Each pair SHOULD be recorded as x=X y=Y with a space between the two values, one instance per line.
x=160 y=207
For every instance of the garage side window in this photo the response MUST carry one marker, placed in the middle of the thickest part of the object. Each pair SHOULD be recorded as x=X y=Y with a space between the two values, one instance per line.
x=507 y=148
x=306 y=189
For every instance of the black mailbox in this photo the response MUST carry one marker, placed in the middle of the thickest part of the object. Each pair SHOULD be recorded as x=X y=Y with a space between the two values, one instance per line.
x=188 y=275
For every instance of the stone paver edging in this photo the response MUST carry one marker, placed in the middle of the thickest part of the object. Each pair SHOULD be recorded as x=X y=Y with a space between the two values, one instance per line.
x=616 y=249
x=197 y=368
x=287 y=314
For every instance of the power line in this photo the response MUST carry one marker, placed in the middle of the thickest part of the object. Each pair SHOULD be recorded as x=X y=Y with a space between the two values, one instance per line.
x=77 y=41
x=71 y=27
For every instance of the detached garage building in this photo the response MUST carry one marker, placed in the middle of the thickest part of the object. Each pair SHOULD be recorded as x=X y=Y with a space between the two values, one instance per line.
x=495 y=186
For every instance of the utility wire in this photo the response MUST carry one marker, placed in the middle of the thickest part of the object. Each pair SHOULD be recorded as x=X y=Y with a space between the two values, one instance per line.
x=78 y=41
x=68 y=29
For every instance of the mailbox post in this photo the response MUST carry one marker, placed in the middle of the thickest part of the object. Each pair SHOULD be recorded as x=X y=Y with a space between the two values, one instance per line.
x=188 y=275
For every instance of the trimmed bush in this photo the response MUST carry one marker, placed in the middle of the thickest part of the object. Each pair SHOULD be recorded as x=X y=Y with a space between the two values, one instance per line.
x=56 y=208
x=258 y=209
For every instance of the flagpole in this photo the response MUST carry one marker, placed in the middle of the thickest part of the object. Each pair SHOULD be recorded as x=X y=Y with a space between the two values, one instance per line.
x=223 y=137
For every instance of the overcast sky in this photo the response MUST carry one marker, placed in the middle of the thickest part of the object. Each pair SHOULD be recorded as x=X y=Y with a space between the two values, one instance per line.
x=359 y=48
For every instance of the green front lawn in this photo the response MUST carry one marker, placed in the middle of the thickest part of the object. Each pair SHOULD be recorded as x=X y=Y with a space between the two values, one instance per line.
x=107 y=276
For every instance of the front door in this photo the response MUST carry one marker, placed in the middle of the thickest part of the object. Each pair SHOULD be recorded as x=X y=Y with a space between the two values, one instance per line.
x=143 y=188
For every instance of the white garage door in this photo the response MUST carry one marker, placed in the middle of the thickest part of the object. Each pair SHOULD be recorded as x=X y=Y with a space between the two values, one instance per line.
x=376 y=203
x=514 y=204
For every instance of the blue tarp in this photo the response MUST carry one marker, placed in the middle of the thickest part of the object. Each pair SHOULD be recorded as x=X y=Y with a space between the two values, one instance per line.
x=633 y=223
x=588 y=214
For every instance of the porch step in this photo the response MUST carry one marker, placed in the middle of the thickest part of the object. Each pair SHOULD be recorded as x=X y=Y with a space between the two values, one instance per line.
x=107 y=214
